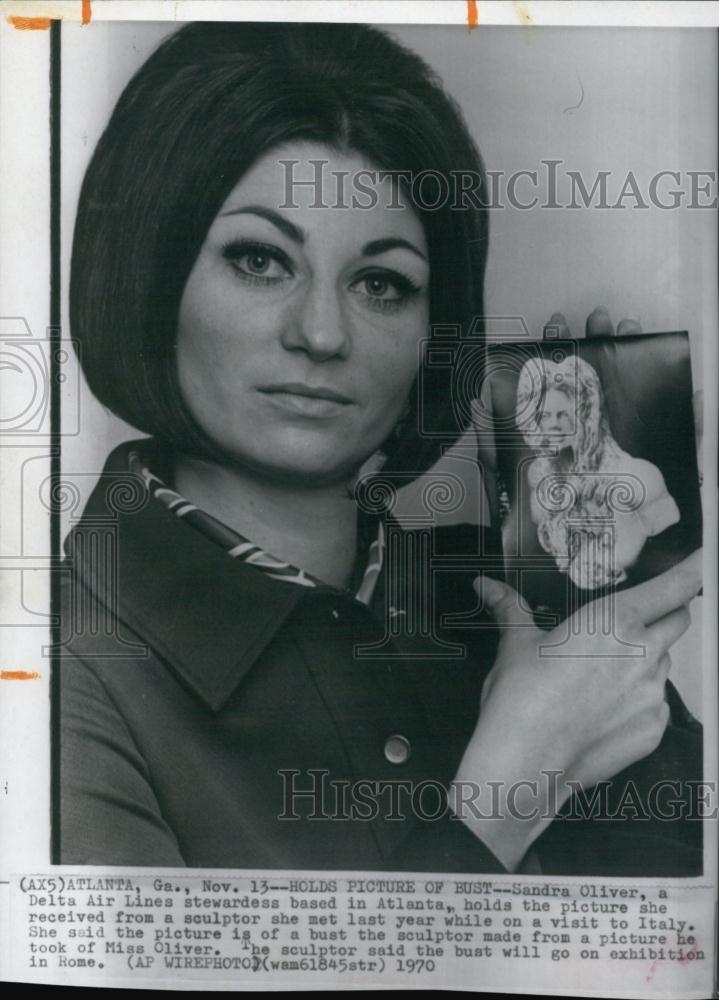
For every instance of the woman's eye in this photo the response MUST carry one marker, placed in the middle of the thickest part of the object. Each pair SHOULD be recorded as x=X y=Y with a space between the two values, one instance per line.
x=257 y=263
x=384 y=291
x=379 y=287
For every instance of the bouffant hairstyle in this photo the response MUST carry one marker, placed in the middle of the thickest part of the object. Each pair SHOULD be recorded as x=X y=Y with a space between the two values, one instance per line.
x=207 y=103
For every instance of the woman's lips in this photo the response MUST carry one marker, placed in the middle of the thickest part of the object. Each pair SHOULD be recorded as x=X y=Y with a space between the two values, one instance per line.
x=306 y=400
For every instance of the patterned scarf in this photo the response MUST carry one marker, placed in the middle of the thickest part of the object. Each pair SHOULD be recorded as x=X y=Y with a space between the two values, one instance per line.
x=239 y=547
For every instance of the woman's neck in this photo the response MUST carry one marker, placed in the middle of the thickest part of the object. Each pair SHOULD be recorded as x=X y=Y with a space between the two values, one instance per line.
x=313 y=529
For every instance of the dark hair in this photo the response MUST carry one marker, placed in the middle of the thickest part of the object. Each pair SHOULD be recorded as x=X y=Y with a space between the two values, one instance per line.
x=212 y=99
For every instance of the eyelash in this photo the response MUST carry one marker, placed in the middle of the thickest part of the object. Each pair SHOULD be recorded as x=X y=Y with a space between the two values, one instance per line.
x=403 y=285
x=234 y=251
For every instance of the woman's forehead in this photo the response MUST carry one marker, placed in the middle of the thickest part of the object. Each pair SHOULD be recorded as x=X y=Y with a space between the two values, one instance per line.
x=313 y=188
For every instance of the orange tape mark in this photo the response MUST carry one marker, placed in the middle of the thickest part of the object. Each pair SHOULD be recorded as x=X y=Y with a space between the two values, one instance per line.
x=29 y=23
x=19 y=675
x=472 y=14
x=86 y=11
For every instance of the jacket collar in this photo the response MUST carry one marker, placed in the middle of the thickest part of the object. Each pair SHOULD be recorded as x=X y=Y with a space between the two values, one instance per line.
x=208 y=615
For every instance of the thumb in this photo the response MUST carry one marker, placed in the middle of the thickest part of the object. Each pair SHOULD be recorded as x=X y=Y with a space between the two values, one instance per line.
x=503 y=602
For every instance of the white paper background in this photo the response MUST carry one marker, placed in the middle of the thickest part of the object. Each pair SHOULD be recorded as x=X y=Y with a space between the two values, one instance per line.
x=650 y=103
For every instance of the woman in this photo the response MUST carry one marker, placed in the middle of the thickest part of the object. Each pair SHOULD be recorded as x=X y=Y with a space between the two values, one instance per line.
x=594 y=505
x=256 y=693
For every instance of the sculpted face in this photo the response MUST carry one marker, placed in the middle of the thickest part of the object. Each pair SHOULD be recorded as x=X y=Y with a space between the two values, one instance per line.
x=556 y=421
x=300 y=328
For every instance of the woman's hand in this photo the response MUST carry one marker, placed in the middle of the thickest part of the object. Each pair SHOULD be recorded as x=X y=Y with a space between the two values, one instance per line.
x=599 y=324
x=584 y=702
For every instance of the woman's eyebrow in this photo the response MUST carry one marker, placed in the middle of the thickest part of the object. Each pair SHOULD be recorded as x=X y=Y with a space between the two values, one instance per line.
x=297 y=235
x=289 y=229
x=375 y=247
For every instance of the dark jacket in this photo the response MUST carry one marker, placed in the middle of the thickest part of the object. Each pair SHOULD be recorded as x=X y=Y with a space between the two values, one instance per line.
x=213 y=717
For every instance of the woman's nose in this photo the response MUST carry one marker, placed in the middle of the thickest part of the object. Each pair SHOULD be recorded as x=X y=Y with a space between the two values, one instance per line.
x=317 y=325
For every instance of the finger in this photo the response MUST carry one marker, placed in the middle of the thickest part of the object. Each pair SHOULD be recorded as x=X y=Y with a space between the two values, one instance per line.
x=503 y=602
x=557 y=328
x=599 y=324
x=671 y=627
x=656 y=598
x=627 y=326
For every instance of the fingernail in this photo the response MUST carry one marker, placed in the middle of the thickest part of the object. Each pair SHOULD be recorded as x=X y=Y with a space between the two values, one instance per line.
x=627 y=327
x=599 y=324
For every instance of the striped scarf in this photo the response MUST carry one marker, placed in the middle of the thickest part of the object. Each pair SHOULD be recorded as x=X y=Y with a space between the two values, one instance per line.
x=239 y=547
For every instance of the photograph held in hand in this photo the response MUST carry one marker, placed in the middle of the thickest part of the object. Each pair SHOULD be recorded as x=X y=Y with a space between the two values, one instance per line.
x=268 y=342
x=581 y=452
x=596 y=484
